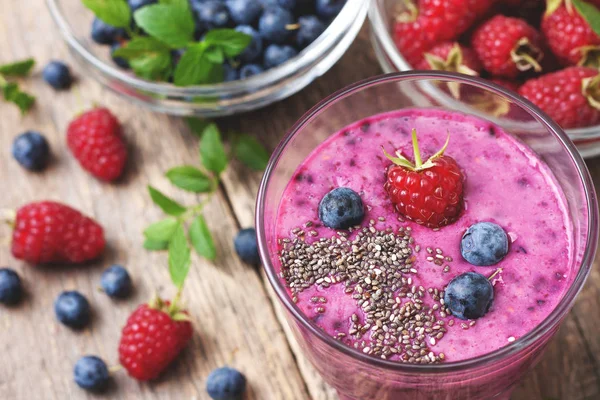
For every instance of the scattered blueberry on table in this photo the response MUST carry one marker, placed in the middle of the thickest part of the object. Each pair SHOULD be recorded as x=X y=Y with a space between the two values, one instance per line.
x=90 y=373
x=246 y=246
x=116 y=282
x=225 y=384
x=58 y=75
x=31 y=150
x=280 y=29
x=72 y=309
x=11 y=288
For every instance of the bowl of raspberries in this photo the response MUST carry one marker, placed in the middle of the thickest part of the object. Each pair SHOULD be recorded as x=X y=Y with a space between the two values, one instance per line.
x=207 y=57
x=548 y=51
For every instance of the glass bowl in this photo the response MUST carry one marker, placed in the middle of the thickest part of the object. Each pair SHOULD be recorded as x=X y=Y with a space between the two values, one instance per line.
x=74 y=22
x=381 y=16
x=357 y=376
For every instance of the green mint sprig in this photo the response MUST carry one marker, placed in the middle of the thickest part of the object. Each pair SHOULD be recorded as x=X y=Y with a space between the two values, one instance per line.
x=10 y=90
x=170 y=26
x=203 y=180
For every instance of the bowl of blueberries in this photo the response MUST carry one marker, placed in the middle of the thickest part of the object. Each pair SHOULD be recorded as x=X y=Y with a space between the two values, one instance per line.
x=207 y=58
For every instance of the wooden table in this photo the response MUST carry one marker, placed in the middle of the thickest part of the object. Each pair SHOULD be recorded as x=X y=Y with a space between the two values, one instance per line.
x=238 y=322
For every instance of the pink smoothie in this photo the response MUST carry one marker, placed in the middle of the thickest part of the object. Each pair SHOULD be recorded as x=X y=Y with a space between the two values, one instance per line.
x=505 y=183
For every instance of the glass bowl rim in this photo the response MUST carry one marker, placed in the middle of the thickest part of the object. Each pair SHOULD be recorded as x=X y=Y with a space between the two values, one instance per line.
x=504 y=352
x=304 y=59
x=382 y=34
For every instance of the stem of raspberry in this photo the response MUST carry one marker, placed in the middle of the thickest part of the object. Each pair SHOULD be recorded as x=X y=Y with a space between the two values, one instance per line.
x=418 y=165
x=526 y=56
x=591 y=90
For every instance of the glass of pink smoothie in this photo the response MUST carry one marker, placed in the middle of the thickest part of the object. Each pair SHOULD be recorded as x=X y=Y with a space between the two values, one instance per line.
x=522 y=173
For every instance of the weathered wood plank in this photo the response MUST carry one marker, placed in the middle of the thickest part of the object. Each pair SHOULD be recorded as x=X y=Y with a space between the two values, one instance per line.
x=234 y=319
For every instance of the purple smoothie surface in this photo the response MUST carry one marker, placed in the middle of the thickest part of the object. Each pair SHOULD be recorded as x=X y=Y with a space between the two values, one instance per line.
x=505 y=183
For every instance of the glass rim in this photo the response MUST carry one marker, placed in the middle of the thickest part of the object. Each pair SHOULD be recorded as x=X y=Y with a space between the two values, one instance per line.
x=510 y=349
x=305 y=58
x=382 y=34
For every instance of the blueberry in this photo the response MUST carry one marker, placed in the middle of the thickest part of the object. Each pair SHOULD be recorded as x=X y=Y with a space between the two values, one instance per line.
x=287 y=4
x=137 y=4
x=254 y=49
x=72 y=309
x=310 y=29
x=119 y=61
x=273 y=23
x=327 y=9
x=31 y=150
x=91 y=373
x=57 y=75
x=484 y=244
x=341 y=208
x=116 y=282
x=211 y=14
x=104 y=33
x=225 y=384
x=276 y=55
x=246 y=246
x=469 y=295
x=249 y=70
x=244 y=12
x=11 y=288
x=176 y=55
x=230 y=73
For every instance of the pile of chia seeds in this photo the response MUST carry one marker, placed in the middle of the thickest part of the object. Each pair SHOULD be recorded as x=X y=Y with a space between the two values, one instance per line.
x=376 y=268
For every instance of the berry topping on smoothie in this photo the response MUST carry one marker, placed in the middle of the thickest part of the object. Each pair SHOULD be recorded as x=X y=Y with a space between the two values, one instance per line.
x=429 y=193
x=469 y=295
x=341 y=208
x=484 y=244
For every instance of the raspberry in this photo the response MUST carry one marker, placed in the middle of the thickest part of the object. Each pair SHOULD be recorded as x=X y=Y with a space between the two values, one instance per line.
x=95 y=139
x=451 y=56
x=430 y=22
x=430 y=193
x=570 y=97
x=50 y=232
x=507 y=46
x=570 y=36
x=152 y=338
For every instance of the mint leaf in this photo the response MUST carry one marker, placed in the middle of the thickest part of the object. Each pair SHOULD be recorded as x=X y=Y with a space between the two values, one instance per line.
x=201 y=238
x=169 y=23
x=197 y=125
x=17 y=68
x=212 y=150
x=590 y=13
x=192 y=68
x=230 y=41
x=168 y=205
x=113 y=12
x=190 y=178
x=13 y=94
x=179 y=257
x=155 y=245
x=215 y=55
x=148 y=57
x=161 y=231
x=249 y=151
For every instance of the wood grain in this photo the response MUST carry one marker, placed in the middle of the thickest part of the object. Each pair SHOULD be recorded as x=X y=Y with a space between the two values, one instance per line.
x=237 y=318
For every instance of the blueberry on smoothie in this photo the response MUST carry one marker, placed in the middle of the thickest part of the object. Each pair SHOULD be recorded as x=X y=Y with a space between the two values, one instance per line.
x=484 y=244
x=273 y=24
x=469 y=295
x=11 y=288
x=341 y=208
x=72 y=309
x=91 y=374
x=225 y=384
